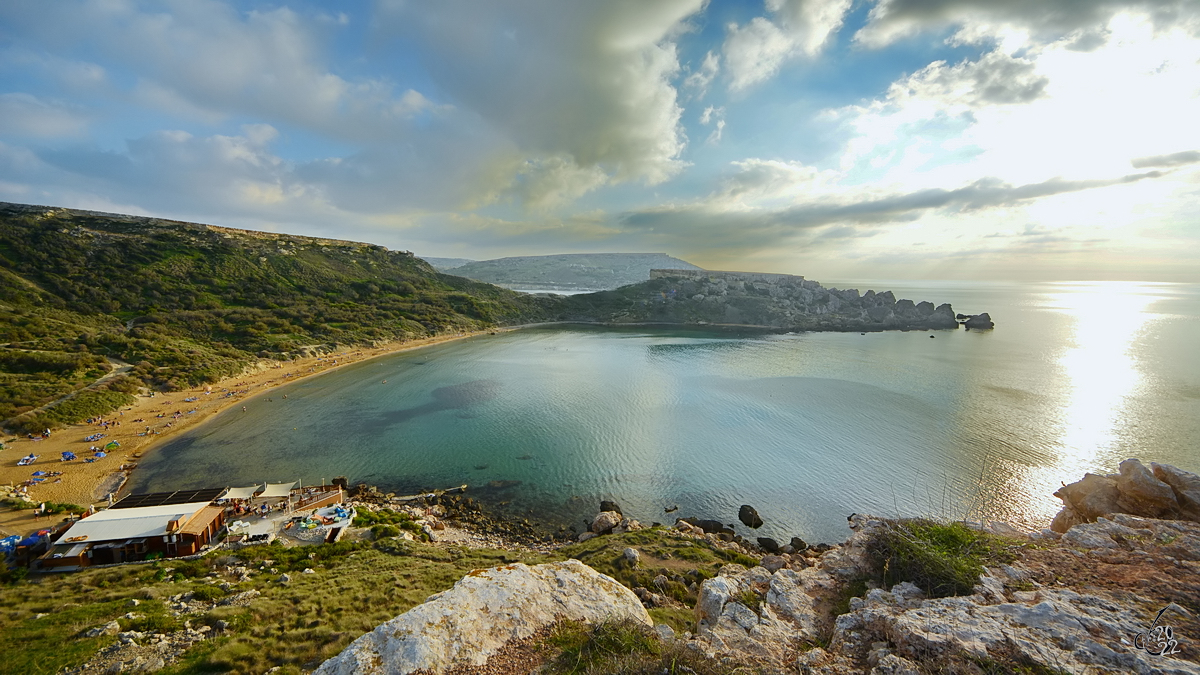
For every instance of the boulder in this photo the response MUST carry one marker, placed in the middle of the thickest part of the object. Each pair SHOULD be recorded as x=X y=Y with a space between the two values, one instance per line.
x=798 y=544
x=749 y=516
x=605 y=521
x=631 y=556
x=979 y=322
x=606 y=505
x=483 y=612
x=1186 y=487
x=1091 y=497
x=768 y=544
x=1142 y=494
x=1066 y=519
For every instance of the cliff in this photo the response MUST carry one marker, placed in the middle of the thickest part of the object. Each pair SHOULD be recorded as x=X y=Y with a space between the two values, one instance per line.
x=777 y=301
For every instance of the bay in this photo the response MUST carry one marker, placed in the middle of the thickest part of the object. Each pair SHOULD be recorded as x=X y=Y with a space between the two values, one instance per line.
x=544 y=422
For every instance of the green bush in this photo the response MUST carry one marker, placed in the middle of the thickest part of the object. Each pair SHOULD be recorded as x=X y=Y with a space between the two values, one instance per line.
x=207 y=593
x=942 y=559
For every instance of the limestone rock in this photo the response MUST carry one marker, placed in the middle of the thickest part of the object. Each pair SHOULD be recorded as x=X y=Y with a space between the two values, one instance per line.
x=606 y=505
x=605 y=521
x=1092 y=497
x=1142 y=494
x=110 y=628
x=1185 y=485
x=786 y=611
x=481 y=613
x=1066 y=519
x=768 y=544
x=979 y=322
x=631 y=556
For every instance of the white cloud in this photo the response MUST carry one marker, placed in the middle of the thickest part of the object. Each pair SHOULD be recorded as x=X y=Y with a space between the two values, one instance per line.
x=755 y=52
x=205 y=60
x=25 y=114
x=716 y=117
x=577 y=88
x=700 y=80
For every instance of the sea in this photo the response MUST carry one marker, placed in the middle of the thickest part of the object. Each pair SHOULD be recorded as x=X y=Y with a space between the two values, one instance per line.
x=543 y=423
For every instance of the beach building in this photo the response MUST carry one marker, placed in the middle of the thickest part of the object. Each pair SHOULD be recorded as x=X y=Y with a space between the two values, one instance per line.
x=182 y=523
x=169 y=524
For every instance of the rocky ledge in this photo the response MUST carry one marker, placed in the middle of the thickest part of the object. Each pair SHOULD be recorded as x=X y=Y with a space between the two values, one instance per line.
x=1117 y=594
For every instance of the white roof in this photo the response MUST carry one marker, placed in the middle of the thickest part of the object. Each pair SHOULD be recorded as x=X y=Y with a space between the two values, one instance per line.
x=240 y=493
x=277 y=489
x=142 y=521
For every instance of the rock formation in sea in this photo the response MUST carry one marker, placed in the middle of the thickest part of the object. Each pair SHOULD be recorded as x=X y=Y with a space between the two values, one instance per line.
x=1161 y=491
x=780 y=301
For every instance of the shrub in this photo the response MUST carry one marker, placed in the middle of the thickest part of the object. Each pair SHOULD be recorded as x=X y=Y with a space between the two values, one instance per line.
x=584 y=647
x=207 y=592
x=943 y=559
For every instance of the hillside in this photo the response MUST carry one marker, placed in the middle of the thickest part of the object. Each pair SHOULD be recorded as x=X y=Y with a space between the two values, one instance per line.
x=187 y=304
x=580 y=271
x=446 y=264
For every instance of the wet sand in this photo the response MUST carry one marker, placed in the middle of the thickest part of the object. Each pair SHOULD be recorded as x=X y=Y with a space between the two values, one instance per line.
x=86 y=483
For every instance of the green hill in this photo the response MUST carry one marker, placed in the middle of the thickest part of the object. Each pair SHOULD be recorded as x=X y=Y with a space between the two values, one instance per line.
x=570 y=272
x=187 y=304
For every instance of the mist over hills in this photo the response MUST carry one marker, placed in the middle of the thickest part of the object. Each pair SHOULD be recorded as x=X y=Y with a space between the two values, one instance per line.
x=565 y=272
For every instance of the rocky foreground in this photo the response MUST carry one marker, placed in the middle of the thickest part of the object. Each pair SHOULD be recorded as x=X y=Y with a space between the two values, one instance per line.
x=1115 y=593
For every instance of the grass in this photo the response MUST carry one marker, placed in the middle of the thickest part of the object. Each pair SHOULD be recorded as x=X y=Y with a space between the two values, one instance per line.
x=297 y=625
x=942 y=559
x=628 y=648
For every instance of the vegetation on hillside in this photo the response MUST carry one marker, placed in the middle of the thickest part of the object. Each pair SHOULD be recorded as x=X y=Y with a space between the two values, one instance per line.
x=584 y=271
x=188 y=304
x=297 y=625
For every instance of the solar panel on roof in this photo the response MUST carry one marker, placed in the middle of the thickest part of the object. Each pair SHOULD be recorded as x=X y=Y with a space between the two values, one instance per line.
x=168 y=498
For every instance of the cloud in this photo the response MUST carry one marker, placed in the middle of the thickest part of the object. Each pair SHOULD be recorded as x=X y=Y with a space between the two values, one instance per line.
x=700 y=80
x=995 y=78
x=1174 y=159
x=891 y=20
x=25 y=114
x=719 y=217
x=716 y=117
x=580 y=87
x=754 y=52
x=208 y=61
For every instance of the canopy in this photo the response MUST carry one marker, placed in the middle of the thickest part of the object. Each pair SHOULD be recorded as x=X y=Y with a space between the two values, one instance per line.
x=277 y=489
x=68 y=455
x=101 y=454
x=111 y=444
x=240 y=493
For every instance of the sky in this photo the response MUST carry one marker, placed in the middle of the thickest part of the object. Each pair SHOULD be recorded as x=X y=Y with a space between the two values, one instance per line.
x=874 y=139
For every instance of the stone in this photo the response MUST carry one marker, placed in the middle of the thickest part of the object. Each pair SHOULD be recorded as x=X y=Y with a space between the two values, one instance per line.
x=605 y=521
x=610 y=506
x=1065 y=520
x=768 y=544
x=1092 y=497
x=631 y=556
x=664 y=632
x=284 y=578
x=1142 y=494
x=482 y=613
x=688 y=528
x=798 y=544
x=309 y=570
x=890 y=664
x=1185 y=485
x=584 y=536
x=110 y=628
x=132 y=602
x=749 y=516
x=773 y=563
x=979 y=322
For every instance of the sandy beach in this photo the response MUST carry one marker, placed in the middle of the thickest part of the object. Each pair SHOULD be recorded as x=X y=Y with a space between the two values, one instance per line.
x=138 y=428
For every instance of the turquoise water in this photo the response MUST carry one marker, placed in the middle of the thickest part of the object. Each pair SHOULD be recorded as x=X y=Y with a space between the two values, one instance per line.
x=807 y=428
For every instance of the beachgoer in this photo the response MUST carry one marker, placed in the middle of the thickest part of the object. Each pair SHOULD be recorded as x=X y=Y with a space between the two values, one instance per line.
x=243 y=408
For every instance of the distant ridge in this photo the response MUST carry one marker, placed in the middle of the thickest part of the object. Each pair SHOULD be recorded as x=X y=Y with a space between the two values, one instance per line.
x=445 y=264
x=569 y=272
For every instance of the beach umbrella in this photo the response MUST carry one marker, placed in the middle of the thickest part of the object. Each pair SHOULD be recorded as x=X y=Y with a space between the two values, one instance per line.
x=111 y=445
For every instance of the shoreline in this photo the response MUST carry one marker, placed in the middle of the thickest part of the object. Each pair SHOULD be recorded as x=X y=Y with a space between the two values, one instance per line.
x=165 y=414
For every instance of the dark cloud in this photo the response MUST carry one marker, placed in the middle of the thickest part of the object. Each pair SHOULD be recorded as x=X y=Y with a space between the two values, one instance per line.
x=764 y=227
x=890 y=19
x=1174 y=159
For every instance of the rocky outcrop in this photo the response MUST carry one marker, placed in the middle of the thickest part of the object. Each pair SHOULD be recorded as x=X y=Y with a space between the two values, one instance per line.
x=749 y=516
x=481 y=613
x=779 y=301
x=1161 y=491
x=977 y=321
